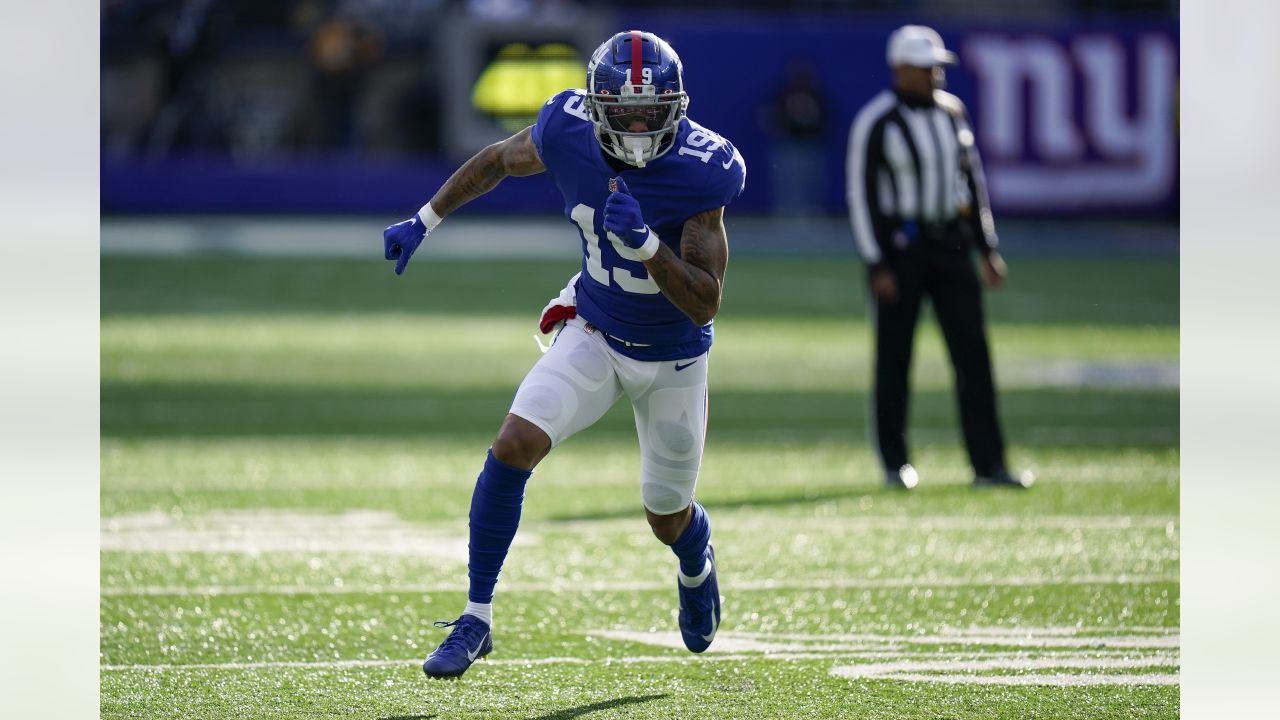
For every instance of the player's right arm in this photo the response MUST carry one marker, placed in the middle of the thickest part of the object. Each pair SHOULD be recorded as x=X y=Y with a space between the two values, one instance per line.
x=514 y=157
x=871 y=227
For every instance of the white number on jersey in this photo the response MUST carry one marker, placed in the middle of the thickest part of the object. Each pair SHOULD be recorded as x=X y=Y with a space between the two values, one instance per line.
x=575 y=107
x=700 y=138
x=585 y=218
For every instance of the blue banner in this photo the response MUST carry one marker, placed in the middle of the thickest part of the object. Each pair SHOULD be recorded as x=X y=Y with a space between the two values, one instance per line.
x=1077 y=119
x=1071 y=120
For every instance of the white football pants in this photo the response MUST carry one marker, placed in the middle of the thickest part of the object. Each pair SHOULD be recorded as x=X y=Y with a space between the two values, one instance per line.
x=581 y=377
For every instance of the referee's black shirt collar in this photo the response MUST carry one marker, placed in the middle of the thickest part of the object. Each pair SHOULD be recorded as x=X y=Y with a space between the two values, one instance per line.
x=914 y=101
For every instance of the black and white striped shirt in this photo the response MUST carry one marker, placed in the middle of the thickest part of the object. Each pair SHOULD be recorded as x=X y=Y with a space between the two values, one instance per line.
x=914 y=160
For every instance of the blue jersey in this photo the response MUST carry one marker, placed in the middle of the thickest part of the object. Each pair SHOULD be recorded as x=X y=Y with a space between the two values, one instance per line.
x=702 y=171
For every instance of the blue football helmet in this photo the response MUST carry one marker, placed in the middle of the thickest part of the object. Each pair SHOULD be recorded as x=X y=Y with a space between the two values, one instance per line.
x=635 y=92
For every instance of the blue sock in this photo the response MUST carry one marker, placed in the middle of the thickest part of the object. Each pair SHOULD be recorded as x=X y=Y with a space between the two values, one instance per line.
x=495 y=515
x=691 y=546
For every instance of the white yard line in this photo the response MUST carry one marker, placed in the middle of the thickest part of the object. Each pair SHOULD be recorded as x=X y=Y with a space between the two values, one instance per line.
x=1073 y=373
x=622 y=660
x=1005 y=659
x=638 y=586
x=1058 y=679
x=864 y=656
x=960 y=671
x=278 y=525
x=1002 y=632
x=745 y=642
x=250 y=532
x=958 y=522
x=1079 y=434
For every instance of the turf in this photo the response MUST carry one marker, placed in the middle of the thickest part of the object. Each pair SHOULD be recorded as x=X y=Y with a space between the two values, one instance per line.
x=288 y=450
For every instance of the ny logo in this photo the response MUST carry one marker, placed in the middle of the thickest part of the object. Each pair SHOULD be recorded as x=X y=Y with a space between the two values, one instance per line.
x=1049 y=146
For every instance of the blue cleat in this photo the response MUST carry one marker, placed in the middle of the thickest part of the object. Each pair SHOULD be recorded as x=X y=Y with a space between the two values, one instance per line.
x=469 y=641
x=700 y=608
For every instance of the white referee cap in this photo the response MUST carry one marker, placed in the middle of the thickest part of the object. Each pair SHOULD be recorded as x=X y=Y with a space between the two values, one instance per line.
x=917 y=46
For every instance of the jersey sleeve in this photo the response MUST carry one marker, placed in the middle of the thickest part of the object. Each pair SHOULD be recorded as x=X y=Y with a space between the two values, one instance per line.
x=564 y=107
x=721 y=178
x=730 y=178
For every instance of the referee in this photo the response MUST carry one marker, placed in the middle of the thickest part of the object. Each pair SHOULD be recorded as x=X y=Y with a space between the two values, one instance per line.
x=918 y=202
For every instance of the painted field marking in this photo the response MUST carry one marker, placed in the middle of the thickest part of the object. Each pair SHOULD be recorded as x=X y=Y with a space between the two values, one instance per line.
x=618 y=660
x=747 y=521
x=685 y=656
x=381 y=532
x=1057 y=651
x=768 y=643
x=1083 y=373
x=637 y=586
x=961 y=671
x=285 y=530
x=1060 y=649
x=251 y=532
x=384 y=533
x=959 y=522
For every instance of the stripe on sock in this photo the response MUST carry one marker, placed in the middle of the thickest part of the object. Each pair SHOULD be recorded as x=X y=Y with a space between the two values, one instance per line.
x=698 y=579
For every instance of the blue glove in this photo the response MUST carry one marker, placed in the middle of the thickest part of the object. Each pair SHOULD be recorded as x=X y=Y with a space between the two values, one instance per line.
x=622 y=216
x=401 y=240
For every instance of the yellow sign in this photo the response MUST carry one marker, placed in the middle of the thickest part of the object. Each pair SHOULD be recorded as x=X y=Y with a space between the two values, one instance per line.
x=520 y=79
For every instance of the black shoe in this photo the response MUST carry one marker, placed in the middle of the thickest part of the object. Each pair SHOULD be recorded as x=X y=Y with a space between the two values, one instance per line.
x=904 y=478
x=1003 y=478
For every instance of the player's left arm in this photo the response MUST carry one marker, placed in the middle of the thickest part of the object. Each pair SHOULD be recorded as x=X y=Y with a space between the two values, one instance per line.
x=978 y=213
x=982 y=223
x=694 y=280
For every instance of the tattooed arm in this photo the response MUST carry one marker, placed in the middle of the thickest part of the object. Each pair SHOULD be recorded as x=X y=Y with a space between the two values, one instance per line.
x=694 y=281
x=516 y=157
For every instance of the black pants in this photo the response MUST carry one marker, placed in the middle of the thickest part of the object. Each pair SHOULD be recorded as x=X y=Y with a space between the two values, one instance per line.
x=945 y=273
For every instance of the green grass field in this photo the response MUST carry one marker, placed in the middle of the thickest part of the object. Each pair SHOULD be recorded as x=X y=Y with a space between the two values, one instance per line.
x=289 y=447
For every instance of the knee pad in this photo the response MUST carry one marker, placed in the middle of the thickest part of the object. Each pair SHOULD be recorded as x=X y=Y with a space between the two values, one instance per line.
x=675 y=425
x=548 y=402
x=664 y=489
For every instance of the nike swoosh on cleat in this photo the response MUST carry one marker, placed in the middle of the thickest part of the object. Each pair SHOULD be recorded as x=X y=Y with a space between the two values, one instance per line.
x=680 y=367
x=715 y=625
x=471 y=656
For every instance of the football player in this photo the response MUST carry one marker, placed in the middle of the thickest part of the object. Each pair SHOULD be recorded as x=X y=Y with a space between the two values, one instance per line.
x=645 y=189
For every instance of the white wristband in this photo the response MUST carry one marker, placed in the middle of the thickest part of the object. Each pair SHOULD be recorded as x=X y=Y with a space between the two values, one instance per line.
x=429 y=217
x=650 y=246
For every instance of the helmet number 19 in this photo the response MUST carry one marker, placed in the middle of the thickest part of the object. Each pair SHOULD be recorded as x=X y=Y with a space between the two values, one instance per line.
x=647 y=74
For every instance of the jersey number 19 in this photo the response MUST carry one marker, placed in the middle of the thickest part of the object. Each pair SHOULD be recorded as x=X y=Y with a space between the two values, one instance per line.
x=585 y=218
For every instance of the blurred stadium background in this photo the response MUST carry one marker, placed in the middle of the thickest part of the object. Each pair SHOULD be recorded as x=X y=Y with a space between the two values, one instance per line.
x=363 y=106
x=290 y=433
